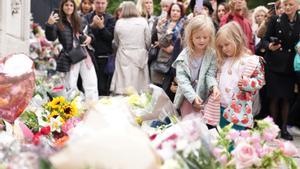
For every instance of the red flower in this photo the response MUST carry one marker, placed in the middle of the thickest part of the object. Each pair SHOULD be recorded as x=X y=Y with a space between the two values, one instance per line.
x=46 y=130
x=248 y=109
x=36 y=138
x=234 y=119
x=153 y=136
x=245 y=119
x=225 y=115
x=253 y=84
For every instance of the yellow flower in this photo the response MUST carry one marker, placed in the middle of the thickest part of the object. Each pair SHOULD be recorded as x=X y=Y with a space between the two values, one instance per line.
x=70 y=110
x=53 y=114
x=139 y=120
x=56 y=102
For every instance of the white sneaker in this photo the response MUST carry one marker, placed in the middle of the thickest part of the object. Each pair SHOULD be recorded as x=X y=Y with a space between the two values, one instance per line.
x=293 y=130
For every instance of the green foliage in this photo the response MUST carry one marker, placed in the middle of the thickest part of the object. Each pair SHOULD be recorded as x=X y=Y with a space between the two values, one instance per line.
x=113 y=4
x=252 y=4
x=30 y=120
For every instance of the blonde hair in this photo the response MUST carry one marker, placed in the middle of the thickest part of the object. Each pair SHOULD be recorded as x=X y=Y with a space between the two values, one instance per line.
x=128 y=10
x=199 y=23
x=140 y=6
x=233 y=33
x=257 y=10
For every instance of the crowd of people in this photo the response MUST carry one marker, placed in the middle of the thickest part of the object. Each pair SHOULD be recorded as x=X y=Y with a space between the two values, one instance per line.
x=207 y=55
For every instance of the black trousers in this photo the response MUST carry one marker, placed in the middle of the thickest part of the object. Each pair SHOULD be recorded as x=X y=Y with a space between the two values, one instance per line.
x=103 y=78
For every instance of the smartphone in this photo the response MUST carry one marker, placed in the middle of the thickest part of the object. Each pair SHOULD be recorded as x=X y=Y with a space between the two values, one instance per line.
x=56 y=11
x=271 y=6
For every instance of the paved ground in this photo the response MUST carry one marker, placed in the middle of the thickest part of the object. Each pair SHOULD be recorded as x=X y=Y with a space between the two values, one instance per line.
x=297 y=144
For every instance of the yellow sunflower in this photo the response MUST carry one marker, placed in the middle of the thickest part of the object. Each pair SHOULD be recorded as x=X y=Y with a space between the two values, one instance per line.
x=70 y=111
x=56 y=102
x=53 y=114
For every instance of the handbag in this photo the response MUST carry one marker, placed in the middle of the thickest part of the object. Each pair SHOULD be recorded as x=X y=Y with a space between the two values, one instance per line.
x=152 y=53
x=297 y=59
x=165 y=40
x=63 y=63
x=77 y=54
x=161 y=67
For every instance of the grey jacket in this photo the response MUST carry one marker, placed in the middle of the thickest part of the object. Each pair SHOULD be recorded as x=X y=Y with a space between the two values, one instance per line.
x=206 y=79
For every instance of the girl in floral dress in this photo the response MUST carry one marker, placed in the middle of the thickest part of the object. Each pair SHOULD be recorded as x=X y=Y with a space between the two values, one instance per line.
x=241 y=75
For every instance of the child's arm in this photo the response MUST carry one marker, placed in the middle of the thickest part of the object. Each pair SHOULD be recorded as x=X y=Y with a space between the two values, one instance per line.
x=184 y=83
x=255 y=82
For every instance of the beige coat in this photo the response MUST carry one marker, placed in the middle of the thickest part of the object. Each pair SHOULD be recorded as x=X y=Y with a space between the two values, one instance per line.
x=132 y=37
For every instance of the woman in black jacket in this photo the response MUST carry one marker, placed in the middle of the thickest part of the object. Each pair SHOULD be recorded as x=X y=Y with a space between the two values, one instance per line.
x=66 y=26
x=281 y=37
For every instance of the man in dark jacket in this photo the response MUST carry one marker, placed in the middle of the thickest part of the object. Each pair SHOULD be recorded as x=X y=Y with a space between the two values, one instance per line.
x=102 y=27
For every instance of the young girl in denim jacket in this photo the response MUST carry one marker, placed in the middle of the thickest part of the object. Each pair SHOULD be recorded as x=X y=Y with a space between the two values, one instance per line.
x=241 y=76
x=196 y=66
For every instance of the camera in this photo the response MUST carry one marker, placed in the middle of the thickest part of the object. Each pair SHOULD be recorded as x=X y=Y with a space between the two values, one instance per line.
x=274 y=40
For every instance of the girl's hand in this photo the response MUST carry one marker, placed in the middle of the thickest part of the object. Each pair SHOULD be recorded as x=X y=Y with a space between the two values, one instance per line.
x=53 y=18
x=274 y=47
x=87 y=41
x=216 y=93
x=197 y=104
x=242 y=82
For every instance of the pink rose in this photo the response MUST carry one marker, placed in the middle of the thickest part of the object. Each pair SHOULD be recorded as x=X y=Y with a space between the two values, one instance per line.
x=288 y=148
x=265 y=150
x=245 y=133
x=233 y=134
x=271 y=132
x=217 y=152
x=255 y=138
x=245 y=156
x=223 y=159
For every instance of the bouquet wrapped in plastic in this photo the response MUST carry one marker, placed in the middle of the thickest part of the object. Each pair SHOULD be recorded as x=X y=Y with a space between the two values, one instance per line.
x=16 y=85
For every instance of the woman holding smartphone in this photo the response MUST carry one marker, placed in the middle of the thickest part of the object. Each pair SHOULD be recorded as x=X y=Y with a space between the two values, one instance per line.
x=66 y=27
x=281 y=37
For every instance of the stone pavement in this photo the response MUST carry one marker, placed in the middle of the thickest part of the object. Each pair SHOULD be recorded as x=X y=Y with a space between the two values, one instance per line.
x=297 y=144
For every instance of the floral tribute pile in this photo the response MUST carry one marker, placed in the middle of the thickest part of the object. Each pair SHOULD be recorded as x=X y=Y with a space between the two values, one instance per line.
x=257 y=148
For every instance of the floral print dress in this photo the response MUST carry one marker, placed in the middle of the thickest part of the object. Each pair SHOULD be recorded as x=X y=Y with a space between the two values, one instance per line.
x=239 y=101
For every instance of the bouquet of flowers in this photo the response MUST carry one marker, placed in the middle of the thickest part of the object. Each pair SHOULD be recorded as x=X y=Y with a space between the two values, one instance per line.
x=254 y=148
x=152 y=105
x=53 y=120
x=184 y=145
x=41 y=50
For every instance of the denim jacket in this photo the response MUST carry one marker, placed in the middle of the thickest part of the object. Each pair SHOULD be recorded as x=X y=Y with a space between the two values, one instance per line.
x=206 y=79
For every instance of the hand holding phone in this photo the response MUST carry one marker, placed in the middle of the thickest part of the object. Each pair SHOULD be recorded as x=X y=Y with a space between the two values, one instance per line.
x=53 y=18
